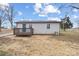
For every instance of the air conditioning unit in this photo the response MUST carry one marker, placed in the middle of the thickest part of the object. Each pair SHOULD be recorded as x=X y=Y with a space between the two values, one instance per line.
x=56 y=33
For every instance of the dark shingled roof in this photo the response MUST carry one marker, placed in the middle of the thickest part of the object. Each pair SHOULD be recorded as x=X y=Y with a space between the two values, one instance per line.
x=38 y=22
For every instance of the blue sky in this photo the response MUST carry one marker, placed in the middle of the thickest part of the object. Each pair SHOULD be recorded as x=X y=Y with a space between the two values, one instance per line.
x=44 y=11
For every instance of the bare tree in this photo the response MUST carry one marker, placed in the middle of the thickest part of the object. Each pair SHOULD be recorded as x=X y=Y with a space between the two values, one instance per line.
x=6 y=14
x=2 y=15
x=10 y=16
x=76 y=6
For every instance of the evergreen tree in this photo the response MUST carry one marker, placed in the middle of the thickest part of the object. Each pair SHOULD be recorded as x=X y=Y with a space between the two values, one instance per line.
x=66 y=23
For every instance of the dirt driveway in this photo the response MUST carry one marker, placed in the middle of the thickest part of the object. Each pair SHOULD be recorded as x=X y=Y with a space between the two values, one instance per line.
x=65 y=44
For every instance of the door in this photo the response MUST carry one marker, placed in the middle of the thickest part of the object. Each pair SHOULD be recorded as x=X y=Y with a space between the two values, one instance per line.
x=24 y=27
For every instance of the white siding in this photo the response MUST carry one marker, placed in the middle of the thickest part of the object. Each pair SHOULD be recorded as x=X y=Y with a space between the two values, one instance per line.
x=41 y=28
x=27 y=25
x=19 y=26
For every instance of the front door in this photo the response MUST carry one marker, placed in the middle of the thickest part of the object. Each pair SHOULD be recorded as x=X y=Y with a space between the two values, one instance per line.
x=24 y=27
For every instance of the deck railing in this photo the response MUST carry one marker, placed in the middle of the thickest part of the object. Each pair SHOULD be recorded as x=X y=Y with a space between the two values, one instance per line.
x=23 y=31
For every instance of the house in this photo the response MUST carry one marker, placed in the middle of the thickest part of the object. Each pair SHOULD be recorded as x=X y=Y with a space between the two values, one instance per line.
x=37 y=27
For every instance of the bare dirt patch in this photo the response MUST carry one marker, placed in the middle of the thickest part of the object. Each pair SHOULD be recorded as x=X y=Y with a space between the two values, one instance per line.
x=66 y=44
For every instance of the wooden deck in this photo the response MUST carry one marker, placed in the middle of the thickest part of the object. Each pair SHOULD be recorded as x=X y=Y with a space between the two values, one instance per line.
x=19 y=31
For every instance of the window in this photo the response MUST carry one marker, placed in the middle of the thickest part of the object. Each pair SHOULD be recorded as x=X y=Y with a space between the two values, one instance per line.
x=48 y=26
x=24 y=27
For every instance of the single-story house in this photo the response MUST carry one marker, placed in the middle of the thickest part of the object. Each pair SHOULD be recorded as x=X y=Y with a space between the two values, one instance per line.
x=37 y=27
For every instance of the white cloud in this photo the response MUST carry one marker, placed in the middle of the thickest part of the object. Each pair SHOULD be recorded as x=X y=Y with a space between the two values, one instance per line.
x=25 y=19
x=75 y=10
x=75 y=16
x=42 y=15
x=37 y=10
x=54 y=19
x=30 y=19
x=44 y=9
x=51 y=9
x=37 y=7
x=20 y=13
x=22 y=19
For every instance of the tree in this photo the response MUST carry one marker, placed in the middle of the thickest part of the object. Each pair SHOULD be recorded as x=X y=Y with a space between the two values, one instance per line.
x=10 y=16
x=2 y=14
x=76 y=6
x=66 y=23
x=6 y=14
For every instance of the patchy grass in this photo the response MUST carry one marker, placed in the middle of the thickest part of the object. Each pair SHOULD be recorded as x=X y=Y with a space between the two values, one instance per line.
x=65 y=44
x=5 y=53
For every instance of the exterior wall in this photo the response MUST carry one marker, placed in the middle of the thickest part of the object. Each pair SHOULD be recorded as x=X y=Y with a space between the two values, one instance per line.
x=41 y=28
x=18 y=25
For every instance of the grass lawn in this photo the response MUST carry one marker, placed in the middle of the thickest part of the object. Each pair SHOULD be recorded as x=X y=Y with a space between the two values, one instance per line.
x=45 y=45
